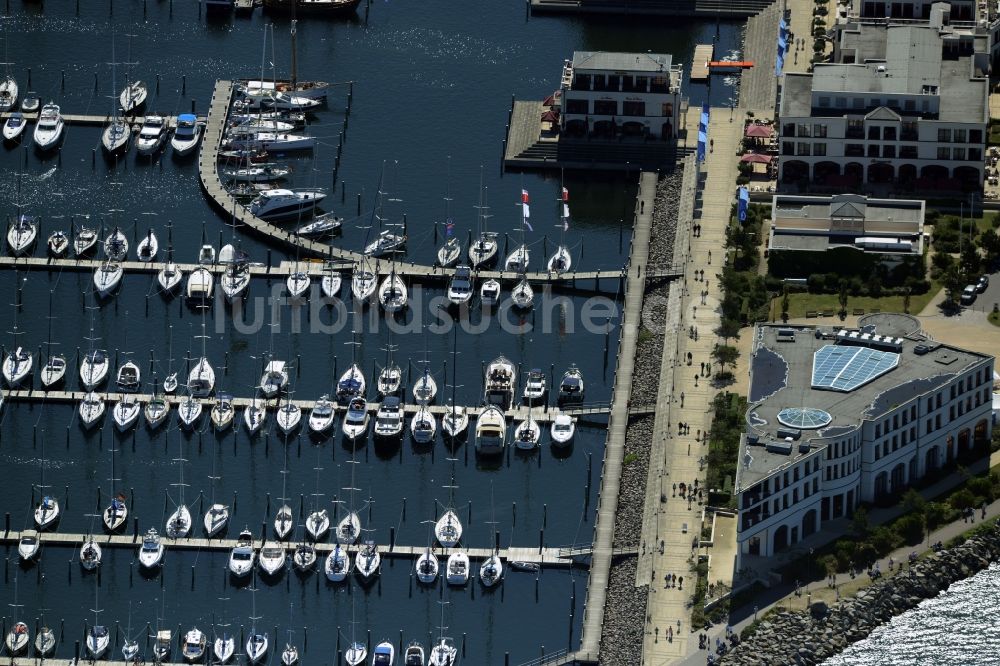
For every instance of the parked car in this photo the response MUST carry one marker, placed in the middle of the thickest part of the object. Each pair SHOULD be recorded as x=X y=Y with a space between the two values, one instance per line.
x=982 y=283
x=969 y=294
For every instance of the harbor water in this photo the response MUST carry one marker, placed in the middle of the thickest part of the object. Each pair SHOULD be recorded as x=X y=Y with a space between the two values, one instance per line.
x=432 y=87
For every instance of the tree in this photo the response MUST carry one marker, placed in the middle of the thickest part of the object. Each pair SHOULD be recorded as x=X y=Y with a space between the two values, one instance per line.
x=913 y=502
x=784 y=305
x=842 y=297
x=953 y=283
x=970 y=260
x=906 y=300
x=728 y=328
x=963 y=499
x=725 y=355
x=911 y=528
x=990 y=244
x=859 y=522
x=935 y=513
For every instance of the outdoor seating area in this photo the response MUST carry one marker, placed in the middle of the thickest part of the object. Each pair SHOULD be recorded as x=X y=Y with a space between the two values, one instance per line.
x=759 y=154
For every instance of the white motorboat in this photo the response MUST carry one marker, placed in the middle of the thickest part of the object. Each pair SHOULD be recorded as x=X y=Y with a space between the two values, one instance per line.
x=414 y=654
x=389 y=419
x=22 y=234
x=201 y=379
x=116 y=136
x=235 y=281
x=304 y=557
x=94 y=368
x=254 y=417
x=455 y=421
x=169 y=277
x=324 y=224
x=522 y=294
x=28 y=546
x=355 y=424
x=348 y=529
x=318 y=524
x=352 y=383
x=156 y=411
x=279 y=203
x=535 y=386
x=194 y=646
x=91 y=410
x=179 y=523
x=17 y=366
x=298 y=283
x=148 y=247
x=129 y=377
x=449 y=253
x=274 y=379
x=49 y=130
x=257 y=173
x=14 y=126
x=386 y=243
x=460 y=287
x=126 y=413
x=272 y=559
x=189 y=412
x=501 y=378
x=90 y=554
x=84 y=241
x=423 y=426
x=288 y=417
x=457 y=571
x=151 y=551
x=200 y=284
x=216 y=519
x=31 y=102
x=367 y=561
x=491 y=431
x=491 y=570
x=152 y=135
x=330 y=284
x=489 y=292
x=116 y=245
x=448 y=529
x=186 y=135
x=527 y=434
x=223 y=647
x=290 y=655
x=206 y=255
x=427 y=567
x=518 y=260
x=98 y=640
x=8 y=89
x=444 y=653
x=571 y=388
x=338 y=564
x=284 y=521
x=425 y=388
x=256 y=647
x=133 y=96
x=392 y=293
x=322 y=415
x=58 y=243
x=562 y=430
x=45 y=642
x=242 y=114
x=107 y=277
x=255 y=124
x=384 y=654
x=115 y=514
x=47 y=512
x=223 y=412
x=363 y=283
x=560 y=261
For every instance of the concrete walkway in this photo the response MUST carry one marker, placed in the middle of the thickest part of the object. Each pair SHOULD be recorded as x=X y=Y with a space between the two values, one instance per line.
x=678 y=520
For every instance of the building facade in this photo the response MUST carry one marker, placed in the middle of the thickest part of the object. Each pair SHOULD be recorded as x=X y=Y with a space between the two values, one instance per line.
x=904 y=105
x=837 y=418
x=620 y=94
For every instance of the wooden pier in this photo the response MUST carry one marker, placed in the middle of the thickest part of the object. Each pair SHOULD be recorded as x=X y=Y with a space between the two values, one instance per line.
x=540 y=555
x=699 y=65
x=98 y=120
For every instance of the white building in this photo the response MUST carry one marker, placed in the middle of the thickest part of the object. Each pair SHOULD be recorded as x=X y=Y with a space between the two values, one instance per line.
x=608 y=94
x=836 y=418
x=961 y=10
x=903 y=105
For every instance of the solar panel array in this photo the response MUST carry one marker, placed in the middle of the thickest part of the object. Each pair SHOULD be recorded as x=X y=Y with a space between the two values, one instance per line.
x=842 y=368
x=806 y=418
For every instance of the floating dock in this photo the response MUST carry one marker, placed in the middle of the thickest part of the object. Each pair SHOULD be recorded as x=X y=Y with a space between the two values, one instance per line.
x=78 y=119
x=699 y=65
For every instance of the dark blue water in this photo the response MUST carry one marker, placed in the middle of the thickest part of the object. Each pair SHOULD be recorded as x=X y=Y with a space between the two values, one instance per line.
x=433 y=84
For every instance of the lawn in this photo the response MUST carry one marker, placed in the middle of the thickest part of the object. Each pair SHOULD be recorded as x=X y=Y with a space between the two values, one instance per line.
x=802 y=302
x=994 y=318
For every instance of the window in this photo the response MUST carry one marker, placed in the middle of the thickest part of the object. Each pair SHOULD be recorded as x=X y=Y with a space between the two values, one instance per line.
x=958 y=154
x=802 y=148
x=975 y=155
x=908 y=152
x=892 y=103
x=944 y=136
x=582 y=82
x=909 y=105
x=909 y=132
x=804 y=130
x=888 y=133
x=874 y=133
x=875 y=102
x=633 y=108
x=787 y=147
x=975 y=136
x=925 y=105
x=819 y=131
x=889 y=151
x=854 y=150
x=873 y=150
x=603 y=107
x=855 y=129
x=959 y=136
x=858 y=103
x=788 y=129
x=824 y=102
x=819 y=149
x=840 y=103
x=943 y=153
x=577 y=106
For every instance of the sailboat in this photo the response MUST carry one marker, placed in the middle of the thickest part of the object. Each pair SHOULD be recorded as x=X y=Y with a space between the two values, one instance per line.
x=288 y=416
x=491 y=570
x=156 y=411
x=116 y=245
x=107 y=277
x=256 y=646
x=304 y=557
x=455 y=421
x=448 y=529
x=423 y=425
x=349 y=527
x=330 y=284
x=130 y=646
x=54 y=370
x=338 y=565
x=254 y=416
x=18 y=638
x=47 y=511
x=223 y=412
x=90 y=554
x=444 y=652
x=352 y=383
x=367 y=561
x=21 y=234
x=518 y=260
x=284 y=519
x=527 y=433
x=224 y=645
x=318 y=521
x=425 y=388
x=84 y=240
x=58 y=243
x=357 y=651
x=217 y=516
x=45 y=641
x=189 y=412
x=117 y=133
x=148 y=247
x=201 y=378
x=133 y=96
x=116 y=513
x=364 y=281
x=427 y=565
x=179 y=522
x=387 y=242
x=8 y=84
x=17 y=366
x=561 y=260
x=91 y=410
x=390 y=377
x=94 y=367
x=449 y=253
x=483 y=250
x=392 y=293
x=98 y=638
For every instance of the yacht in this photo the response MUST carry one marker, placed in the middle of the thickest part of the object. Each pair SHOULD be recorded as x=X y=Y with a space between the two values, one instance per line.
x=298 y=283
x=223 y=647
x=288 y=417
x=256 y=647
x=455 y=421
x=272 y=559
x=423 y=426
x=133 y=96
x=318 y=524
x=491 y=570
x=501 y=378
x=560 y=261
x=322 y=415
x=98 y=640
x=304 y=557
x=84 y=241
x=457 y=571
x=535 y=386
x=562 y=430
x=115 y=514
x=242 y=556
x=274 y=379
x=351 y=384
x=91 y=410
x=389 y=419
x=186 y=135
x=223 y=412
x=148 y=247
x=200 y=284
x=491 y=431
x=522 y=295
x=330 y=283
x=151 y=551
x=8 y=89
x=307 y=89
x=107 y=277
x=444 y=653
x=201 y=379
x=22 y=234
x=290 y=655
x=216 y=519
x=448 y=529
x=49 y=130
x=425 y=389
x=323 y=225
x=90 y=554
x=116 y=245
x=31 y=102
x=278 y=203
x=389 y=380
x=47 y=512
x=355 y=423
x=58 y=243
x=189 y=412
x=169 y=277
x=367 y=561
x=364 y=282
x=156 y=411
x=460 y=288
x=258 y=173
x=571 y=388
x=94 y=368
x=17 y=366
x=517 y=261
x=284 y=521
x=128 y=378
x=235 y=280
x=338 y=564
x=152 y=135
x=284 y=101
x=427 y=567
x=489 y=293
x=14 y=127
x=483 y=250
x=194 y=646
x=348 y=529
x=527 y=434
x=449 y=253
x=29 y=545
x=179 y=523
x=414 y=655
x=254 y=416
x=45 y=642
x=392 y=293
x=126 y=413
x=386 y=243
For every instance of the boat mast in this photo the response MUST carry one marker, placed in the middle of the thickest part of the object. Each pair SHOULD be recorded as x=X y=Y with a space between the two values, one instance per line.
x=294 y=58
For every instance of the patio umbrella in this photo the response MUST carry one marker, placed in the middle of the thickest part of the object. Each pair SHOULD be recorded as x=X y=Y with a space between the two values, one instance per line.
x=756 y=158
x=759 y=131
